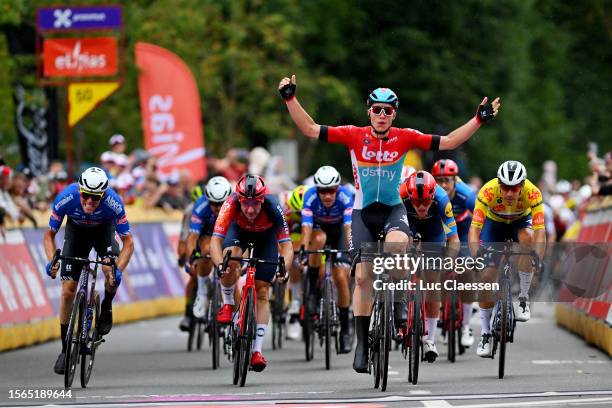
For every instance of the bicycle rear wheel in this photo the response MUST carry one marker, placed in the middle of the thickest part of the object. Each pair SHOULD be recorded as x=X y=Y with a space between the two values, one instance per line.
x=503 y=326
x=248 y=334
x=451 y=324
x=213 y=326
x=73 y=338
x=308 y=322
x=327 y=323
x=87 y=359
x=415 y=332
x=200 y=329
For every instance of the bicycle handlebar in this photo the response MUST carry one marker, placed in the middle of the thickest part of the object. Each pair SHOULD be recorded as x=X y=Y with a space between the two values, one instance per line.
x=58 y=257
x=280 y=263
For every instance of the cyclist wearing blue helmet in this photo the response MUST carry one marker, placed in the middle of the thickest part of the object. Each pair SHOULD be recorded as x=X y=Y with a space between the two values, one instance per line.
x=377 y=153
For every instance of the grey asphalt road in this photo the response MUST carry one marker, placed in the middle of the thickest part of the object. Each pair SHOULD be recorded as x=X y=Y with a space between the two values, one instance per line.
x=146 y=364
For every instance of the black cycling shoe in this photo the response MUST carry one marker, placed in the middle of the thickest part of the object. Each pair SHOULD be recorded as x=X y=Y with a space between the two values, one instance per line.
x=360 y=362
x=346 y=343
x=106 y=322
x=60 y=364
x=362 y=328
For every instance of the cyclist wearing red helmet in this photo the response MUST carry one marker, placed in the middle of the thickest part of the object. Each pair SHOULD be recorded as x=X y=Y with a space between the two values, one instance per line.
x=377 y=153
x=253 y=215
x=463 y=199
x=430 y=214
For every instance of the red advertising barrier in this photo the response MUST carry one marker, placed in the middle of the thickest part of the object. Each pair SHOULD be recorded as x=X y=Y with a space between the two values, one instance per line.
x=171 y=115
x=591 y=316
x=22 y=294
x=80 y=57
x=153 y=285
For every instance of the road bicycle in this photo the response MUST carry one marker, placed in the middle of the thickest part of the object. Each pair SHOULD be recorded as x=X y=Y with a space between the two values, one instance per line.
x=244 y=326
x=82 y=338
x=326 y=319
x=504 y=323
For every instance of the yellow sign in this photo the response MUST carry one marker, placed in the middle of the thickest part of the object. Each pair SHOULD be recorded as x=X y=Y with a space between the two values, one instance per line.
x=83 y=97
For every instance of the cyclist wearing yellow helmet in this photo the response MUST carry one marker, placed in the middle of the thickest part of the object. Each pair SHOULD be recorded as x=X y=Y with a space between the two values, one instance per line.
x=293 y=214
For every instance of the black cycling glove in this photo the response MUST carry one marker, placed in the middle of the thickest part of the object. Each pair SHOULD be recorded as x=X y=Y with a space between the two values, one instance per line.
x=288 y=91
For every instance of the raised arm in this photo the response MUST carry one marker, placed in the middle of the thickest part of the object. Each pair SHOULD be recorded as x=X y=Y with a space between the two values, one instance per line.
x=301 y=118
x=460 y=135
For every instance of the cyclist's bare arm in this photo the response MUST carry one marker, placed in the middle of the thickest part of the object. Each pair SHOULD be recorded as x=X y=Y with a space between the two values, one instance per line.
x=306 y=234
x=539 y=237
x=460 y=135
x=286 y=251
x=453 y=245
x=300 y=117
x=192 y=240
x=49 y=243
x=474 y=240
x=347 y=234
x=216 y=249
x=126 y=251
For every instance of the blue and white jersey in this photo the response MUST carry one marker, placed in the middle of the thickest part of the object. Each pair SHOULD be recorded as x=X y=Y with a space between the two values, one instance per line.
x=202 y=217
x=315 y=212
x=68 y=204
x=463 y=207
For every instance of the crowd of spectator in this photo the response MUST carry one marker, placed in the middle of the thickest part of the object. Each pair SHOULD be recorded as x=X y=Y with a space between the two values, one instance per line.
x=137 y=179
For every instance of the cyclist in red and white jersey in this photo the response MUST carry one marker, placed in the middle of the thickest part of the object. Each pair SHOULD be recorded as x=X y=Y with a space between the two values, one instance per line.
x=377 y=153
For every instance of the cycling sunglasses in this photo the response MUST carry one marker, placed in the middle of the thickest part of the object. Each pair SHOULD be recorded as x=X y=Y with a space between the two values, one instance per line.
x=249 y=202
x=514 y=189
x=327 y=190
x=94 y=197
x=389 y=110
x=421 y=202
x=445 y=179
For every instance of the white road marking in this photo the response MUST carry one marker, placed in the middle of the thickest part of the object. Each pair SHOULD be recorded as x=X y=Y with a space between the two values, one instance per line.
x=558 y=362
x=436 y=404
x=541 y=403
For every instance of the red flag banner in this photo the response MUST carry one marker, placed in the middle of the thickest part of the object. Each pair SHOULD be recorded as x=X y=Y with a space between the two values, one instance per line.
x=170 y=107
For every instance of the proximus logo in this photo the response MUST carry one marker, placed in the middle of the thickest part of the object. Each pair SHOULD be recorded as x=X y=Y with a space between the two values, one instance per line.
x=379 y=155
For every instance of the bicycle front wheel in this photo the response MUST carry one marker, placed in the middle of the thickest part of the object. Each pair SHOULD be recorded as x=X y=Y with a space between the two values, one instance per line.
x=415 y=331
x=385 y=339
x=247 y=336
x=73 y=338
x=503 y=326
x=91 y=336
x=373 y=339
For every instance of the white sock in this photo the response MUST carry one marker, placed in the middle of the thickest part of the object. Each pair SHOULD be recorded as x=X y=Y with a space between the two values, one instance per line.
x=203 y=285
x=259 y=338
x=485 y=317
x=431 y=324
x=467 y=314
x=525 y=280
x=228 y=295
x=296 y=290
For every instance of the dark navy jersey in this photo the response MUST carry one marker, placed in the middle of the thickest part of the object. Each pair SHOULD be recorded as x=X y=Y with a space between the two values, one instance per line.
x=463 y=206
x=315 y=212
x=439 y=217
x=68 y=204
x=202 y=217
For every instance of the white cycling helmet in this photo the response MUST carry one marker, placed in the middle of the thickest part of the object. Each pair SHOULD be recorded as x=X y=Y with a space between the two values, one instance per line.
x=218 y=189
x=511 y=173
x=93 y=180
x=327 y=176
